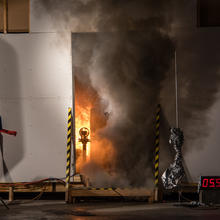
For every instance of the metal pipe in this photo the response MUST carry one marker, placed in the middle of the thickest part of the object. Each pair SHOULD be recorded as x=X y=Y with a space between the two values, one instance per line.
x=5 y=17
x=176 y=92
x=84 y=152
x=73 y=113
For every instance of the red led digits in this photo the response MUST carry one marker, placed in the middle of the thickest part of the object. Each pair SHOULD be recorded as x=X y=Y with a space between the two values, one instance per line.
x=209 y=183
x=218 y=182
x=205 y=183
x=212 y=183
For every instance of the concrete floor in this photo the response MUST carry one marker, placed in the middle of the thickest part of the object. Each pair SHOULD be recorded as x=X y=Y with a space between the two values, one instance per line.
x=46 y=210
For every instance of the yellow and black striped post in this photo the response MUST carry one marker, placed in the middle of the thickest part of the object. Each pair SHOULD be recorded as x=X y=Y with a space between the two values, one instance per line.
x=156 y=158
x=68 y=156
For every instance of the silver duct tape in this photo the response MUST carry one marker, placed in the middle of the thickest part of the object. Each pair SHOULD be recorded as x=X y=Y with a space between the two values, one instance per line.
x=172 y=175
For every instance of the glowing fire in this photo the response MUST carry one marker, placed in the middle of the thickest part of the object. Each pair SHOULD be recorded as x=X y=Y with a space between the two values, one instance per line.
x=82 y=119
x=89 y=114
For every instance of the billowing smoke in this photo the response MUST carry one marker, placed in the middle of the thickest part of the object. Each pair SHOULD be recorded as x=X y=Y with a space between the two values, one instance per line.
x=126 y=69
x=198 y=58
x=107 y=15
x=125 y=63
x=128 y=63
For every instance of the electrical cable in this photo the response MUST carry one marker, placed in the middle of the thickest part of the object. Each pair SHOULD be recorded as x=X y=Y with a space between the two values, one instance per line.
x=38 y=184
x=34 y=182
x=29 y=201
x=198 y=205
x=119 y=194
x=33 y=185
x=189 y=200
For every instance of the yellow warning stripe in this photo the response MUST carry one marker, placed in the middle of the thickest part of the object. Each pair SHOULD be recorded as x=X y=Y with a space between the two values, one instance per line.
x=157 y=141
x=68 y=163
x=68 y=149
x=68 y=155
x=99 y=189
x=67 y=171
x=69 y=132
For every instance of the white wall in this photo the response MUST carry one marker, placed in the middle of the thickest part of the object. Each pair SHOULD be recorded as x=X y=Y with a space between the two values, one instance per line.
x=35 y=93
x=36 y=90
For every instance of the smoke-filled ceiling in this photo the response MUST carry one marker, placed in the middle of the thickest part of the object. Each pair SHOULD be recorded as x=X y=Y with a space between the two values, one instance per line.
x=108 y=15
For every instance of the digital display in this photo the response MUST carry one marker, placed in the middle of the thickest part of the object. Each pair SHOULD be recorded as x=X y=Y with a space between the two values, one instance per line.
x=209 y=183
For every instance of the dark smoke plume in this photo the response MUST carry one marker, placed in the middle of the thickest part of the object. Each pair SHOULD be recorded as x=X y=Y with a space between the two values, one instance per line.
x=126 y=69
x=128 y=63
x=107 y=15
x=198 y=58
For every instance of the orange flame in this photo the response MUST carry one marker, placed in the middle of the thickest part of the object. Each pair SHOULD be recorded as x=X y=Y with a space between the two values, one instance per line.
x=88 y=114
x=82 y=119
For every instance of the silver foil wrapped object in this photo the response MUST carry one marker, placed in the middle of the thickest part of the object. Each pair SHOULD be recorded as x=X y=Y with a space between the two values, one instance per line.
x=172 y=175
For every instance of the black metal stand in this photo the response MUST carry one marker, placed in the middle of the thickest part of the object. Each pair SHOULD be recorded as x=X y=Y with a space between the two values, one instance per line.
x=4 y=203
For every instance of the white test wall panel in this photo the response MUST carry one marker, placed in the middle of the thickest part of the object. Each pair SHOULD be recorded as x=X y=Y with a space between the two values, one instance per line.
x=35 y=93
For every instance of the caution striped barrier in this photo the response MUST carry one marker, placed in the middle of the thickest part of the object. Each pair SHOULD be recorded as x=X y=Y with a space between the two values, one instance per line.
x=157 y=142
x=68 y=156
x=101 y=188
